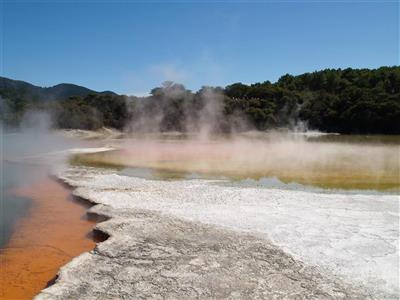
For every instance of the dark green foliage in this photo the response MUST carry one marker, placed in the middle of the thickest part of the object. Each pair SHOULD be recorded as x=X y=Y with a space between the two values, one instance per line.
x=352 y=101
x=92 y=112
x=344 y=101
x=10 y=89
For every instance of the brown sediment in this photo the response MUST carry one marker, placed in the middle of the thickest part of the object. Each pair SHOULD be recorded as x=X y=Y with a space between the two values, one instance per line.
x=55 y=230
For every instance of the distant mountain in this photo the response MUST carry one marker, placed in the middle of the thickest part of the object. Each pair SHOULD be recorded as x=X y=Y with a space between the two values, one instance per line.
x=12 y=89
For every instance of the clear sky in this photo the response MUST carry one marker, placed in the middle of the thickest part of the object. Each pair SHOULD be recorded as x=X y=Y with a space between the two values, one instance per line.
x=131 y=46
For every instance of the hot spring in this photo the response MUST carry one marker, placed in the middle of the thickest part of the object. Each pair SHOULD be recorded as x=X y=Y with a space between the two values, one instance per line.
x=324 y=161
x=330 y=201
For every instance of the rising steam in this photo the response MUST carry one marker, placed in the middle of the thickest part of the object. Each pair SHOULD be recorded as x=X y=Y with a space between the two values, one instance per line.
x=172 y=108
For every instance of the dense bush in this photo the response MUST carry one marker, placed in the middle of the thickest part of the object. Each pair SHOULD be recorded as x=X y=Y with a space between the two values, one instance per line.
x=91 y=112
x=345 y=101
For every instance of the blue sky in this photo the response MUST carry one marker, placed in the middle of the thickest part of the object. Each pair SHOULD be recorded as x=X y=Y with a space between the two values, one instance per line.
x=131 y=46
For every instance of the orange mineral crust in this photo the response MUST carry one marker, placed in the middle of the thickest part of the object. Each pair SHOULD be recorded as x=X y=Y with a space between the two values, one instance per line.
x=55 y=230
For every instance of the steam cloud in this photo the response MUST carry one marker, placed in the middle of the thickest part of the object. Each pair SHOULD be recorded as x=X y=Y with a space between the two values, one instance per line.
x=34 y=138
x=173 y=108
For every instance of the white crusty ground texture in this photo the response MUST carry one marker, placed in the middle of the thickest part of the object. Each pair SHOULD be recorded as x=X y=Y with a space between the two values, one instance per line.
x=199 y=239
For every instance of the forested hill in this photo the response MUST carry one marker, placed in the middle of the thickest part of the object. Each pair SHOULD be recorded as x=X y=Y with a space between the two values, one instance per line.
x=14 y=89
x=332 y=100
x=17 y=97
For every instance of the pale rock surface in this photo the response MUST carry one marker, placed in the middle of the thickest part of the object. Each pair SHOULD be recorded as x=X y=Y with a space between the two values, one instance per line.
x=325 y=245
x=150 y=256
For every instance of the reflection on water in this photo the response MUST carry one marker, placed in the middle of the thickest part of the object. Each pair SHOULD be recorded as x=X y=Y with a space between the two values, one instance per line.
x=264 y=182
x=55 y=231
x=24 y=160
x=14 y=207
x=159 y=174
x=327 y=161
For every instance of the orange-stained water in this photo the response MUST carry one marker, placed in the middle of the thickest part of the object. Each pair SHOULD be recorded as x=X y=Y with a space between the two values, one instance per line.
x=55 y=230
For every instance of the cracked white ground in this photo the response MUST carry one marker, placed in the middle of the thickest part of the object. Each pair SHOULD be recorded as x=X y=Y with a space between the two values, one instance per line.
x=354 y=236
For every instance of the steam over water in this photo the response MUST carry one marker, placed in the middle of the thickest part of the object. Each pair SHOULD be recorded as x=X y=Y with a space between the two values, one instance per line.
x=341 y=225
x=327 y=161
x=24 y=161
x=12 y=207
x=346 y=233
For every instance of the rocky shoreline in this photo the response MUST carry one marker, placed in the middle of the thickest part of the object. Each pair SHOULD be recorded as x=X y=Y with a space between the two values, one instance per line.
x=151 y=255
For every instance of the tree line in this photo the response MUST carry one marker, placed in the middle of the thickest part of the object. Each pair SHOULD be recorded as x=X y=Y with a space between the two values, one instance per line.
x=355 y=101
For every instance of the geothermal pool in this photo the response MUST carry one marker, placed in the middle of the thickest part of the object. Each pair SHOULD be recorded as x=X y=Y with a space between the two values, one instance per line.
x=325 y=161
x=331 y=202
x=42 y=226
x=321 y=205
x=53 y=230
x=13 y=207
